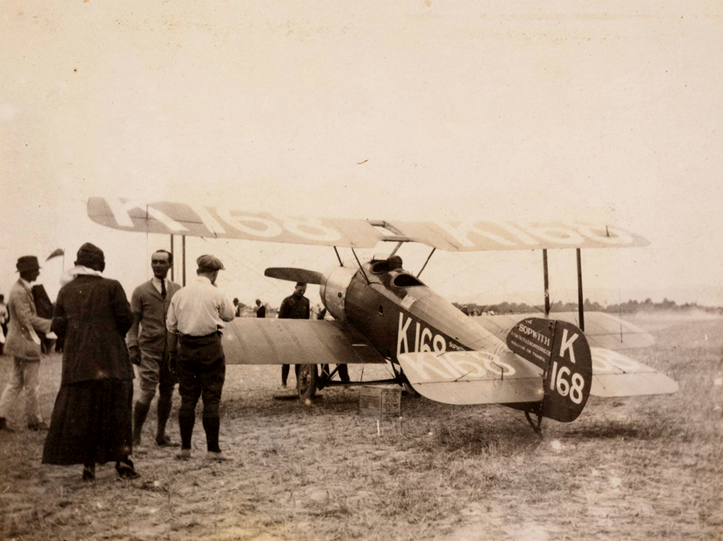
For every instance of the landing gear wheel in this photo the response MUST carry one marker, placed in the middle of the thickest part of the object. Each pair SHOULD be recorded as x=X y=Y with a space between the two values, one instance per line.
x=306 y=381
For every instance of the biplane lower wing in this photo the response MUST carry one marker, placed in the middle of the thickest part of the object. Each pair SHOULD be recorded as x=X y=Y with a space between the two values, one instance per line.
x=295 y=341
x=601 y=330
x=473 y=377
x=615 y=374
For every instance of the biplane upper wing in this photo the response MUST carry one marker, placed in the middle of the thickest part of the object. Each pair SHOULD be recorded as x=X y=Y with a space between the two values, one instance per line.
x=601 y=330
x=473 y=377
x=201 y=220
x=251 y=340
x=473 y=236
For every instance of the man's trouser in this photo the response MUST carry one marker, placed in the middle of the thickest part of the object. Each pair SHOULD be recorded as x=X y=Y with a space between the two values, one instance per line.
x=285 y=372
x=201 y=374
x=153 y=372
x=24 y=376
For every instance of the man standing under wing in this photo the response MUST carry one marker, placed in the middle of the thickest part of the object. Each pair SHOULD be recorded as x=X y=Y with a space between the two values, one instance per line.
x=295 y=306
x=149 y=348
x=23 y=343
x=196 y=318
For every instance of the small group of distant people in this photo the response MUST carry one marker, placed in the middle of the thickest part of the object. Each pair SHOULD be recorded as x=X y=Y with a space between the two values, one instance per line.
x=173 y=335
x=260 y=309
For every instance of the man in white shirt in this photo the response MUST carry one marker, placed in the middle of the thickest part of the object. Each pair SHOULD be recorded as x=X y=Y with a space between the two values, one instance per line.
x=196 y=317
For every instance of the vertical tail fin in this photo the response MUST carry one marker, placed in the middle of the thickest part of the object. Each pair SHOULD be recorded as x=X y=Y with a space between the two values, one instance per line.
x=561 y=350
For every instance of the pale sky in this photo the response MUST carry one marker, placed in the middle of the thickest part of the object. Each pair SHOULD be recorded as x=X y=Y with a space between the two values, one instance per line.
x=482 y=110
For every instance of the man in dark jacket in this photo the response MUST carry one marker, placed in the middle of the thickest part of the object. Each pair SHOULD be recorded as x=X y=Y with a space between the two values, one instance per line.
x=260 y=309
x=91 y=421
x=295 y=306
x=4 y=315
x=45 y=310
x=148 y=347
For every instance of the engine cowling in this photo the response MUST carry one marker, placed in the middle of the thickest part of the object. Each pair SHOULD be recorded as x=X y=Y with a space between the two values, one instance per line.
x=332 y=290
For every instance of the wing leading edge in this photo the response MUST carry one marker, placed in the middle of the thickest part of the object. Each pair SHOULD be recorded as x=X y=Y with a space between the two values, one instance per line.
x=251 y=340
x=201 y=220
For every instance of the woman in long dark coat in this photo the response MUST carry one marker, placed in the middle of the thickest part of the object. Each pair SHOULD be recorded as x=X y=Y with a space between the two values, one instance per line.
x=91 y=421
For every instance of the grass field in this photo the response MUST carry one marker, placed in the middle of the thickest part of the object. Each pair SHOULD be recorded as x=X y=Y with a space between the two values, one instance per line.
x=627 y=469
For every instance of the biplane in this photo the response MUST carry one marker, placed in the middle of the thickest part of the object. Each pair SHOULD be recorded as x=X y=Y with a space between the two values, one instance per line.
x=546 y=365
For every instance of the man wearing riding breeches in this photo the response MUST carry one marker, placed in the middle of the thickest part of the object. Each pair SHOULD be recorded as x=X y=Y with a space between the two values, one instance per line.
x=149 y=347
x=196 y=318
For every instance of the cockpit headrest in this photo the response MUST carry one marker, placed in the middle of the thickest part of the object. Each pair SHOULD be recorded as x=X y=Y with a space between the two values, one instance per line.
x=395 y=262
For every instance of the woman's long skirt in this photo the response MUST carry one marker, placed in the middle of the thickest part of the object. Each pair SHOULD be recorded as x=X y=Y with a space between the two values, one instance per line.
x=91 y=423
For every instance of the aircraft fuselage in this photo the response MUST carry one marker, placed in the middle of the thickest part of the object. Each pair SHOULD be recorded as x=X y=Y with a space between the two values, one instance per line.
x=398 y=314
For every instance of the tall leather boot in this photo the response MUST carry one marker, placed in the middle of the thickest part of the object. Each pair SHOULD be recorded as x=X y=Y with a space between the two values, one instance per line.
x=185 y=424
x=140 y=412
x=165 y=403
x=212 y=425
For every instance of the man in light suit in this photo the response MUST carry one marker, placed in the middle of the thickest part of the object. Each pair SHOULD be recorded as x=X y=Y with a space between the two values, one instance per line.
x=23 y=343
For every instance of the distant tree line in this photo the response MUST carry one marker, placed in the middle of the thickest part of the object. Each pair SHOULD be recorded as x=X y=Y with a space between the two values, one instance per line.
x=628 y=307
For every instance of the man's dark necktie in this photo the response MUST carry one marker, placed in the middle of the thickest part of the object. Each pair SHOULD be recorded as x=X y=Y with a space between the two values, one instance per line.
x=163 y=289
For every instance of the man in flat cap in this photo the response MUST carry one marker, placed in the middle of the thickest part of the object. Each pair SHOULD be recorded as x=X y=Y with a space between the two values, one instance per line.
x=148 y=346
x=196 y=319
x=295 y=306
x=23 y=343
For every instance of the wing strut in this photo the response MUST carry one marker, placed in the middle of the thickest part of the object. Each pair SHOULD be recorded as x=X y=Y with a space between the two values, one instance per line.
x=547 y=281
x=172 y=257
x=360 y=266
x=183 y=260
x=338 y=256
x=427 y=261
x=399 y=245
x=579 y=291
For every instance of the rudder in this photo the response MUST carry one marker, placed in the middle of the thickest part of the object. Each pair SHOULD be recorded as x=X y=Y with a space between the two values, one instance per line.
x=562 y=351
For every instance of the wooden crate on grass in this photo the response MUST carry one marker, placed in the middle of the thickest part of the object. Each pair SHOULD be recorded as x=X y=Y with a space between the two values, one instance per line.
x=380 y=401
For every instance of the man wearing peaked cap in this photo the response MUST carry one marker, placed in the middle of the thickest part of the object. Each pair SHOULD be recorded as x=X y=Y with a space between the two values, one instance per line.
x=196 y=319
x=23 y=343
x=209 y=263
